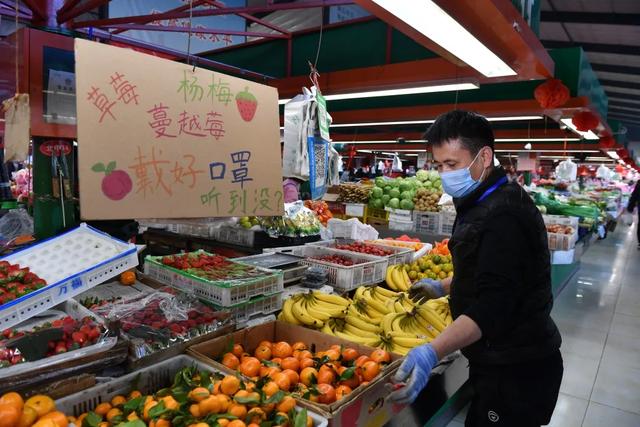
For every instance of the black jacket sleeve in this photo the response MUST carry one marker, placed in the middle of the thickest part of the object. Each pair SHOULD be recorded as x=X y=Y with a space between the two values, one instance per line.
x=503 y=253
x=635 y=197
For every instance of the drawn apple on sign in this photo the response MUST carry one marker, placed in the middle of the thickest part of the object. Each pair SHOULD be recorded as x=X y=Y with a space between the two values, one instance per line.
x=116 y=184
x=247 y=104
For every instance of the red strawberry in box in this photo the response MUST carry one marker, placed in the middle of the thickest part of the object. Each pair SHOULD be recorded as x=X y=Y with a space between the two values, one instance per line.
x=247 y=105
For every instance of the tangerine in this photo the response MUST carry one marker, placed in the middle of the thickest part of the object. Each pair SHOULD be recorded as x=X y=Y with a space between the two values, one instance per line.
x=230 y=385
x=225 y=402
x=160 y=423
x=282 y=349
x=223 y=422
x=370 y=370
x=270 y=388
x=170 y=403
x=349 y=354
x=283 y=381
x=266 y=343
x=29 y=416
x=327 y=394
x=307 y=363
x=299 y=346
x=238 y=350
x=12 y=398
x=198 y=394
x=113 y=412
x=294 y=378
x=194 y=410
x=103 y=408
x=361 y=361
x=326 y=376
x=380 y=356
x=333 y=354
x=51 y=423
x=10 y=415
x=237 y=423
x=134 y=394
x=290 y=363
x=237 y=410
x=42 y=404
x=131 y=417
x=308 y=376
x=256 y=416
x=342 y=391
x=305 y=354
x=230 y=361
x=118 y=400
x=210 y=405
x=147 y=408
x=250 y=367
x=263 y=352
x=286 y=404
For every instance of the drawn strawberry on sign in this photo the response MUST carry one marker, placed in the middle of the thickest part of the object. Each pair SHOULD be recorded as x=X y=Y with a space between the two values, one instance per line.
x=247 y=104
x=116 y=184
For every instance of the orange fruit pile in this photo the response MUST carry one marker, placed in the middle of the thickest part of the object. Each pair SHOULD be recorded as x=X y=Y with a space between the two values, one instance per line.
x=37 y=411
x=324 y=377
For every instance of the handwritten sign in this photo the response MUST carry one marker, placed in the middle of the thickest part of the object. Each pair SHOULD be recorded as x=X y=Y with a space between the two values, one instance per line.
x=158 y=139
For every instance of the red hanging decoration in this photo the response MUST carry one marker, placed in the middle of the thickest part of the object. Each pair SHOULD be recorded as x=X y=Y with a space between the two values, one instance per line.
x=623 y=153
x=619 y=168
x=582 y=170
x=551 y=94
x=585 y=121
x=607 y=142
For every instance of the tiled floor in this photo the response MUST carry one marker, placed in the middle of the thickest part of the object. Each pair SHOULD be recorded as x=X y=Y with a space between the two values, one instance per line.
x=598 y=314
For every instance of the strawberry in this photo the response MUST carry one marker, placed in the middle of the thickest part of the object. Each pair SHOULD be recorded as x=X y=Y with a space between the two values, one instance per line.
x=61 y=347
x=16 y=359
x=94 y=333
x=79 y=337
x=247 y=104
x=30 y=278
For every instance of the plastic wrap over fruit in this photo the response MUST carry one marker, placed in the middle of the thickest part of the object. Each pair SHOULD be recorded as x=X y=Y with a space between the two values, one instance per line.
x=161 y=319
x=298 y=221
x=64 y=333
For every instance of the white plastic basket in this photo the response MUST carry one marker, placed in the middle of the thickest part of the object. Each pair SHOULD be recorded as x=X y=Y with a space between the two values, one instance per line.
x=234 y=235
x=148 y=380
x=221 y=293
x=242 y=313
x=562 y=242
x=399 y=255
x=70 y=263
x=370 y=270
x=401 y=225
x=427 y=222
x=572 y=221
x=447 y=220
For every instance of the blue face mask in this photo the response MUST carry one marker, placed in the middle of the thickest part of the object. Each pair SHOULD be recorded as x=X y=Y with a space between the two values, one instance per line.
x=459 y=183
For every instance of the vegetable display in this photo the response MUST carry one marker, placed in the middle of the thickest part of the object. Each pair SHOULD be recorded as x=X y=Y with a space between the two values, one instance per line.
x=321 y=210
x=402 y=193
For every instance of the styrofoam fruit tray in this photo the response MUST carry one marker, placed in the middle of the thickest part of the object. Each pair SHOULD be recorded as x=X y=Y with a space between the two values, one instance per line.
x=147 y=380
x=68 y=308
x=70 y=263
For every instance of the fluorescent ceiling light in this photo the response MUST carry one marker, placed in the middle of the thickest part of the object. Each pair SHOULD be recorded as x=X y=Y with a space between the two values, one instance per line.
x=585 y=135
x=613 y=155
x=546 y=151
x=536 y=139
x=429 y=19
x=597 y=159
x=395 y=92
x=425 y=122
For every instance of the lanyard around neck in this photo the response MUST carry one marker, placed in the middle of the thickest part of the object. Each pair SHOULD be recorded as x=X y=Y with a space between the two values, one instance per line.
x=493 y=188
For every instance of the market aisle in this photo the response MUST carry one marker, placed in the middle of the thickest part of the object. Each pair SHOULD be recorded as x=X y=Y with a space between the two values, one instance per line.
x=598 y=314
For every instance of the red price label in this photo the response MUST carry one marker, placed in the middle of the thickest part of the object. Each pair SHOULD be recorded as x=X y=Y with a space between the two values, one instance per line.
x=55 y=148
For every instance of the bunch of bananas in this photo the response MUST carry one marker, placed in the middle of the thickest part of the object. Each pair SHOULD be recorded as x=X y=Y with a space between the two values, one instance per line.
x=313 y=309
x=397 y=278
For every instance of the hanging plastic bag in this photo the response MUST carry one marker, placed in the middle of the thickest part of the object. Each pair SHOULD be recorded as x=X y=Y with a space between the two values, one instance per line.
x=295 y=156
x=567 y=170
x=397 y=164
x=335 y=166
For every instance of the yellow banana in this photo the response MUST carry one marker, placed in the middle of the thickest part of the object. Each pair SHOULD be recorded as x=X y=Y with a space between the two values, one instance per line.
x=377 y=306
x=389 y=278
x=352 y=311
x=332 y=299
x=386 y=292
x=317 y=313
x=406 y=280
x=398 y=349
x=431 y=317
x=361 y=324
x=286 y=313
x=327 y=329
x=398 y=307
x=410 y=342
x=350 y=329
x=299 y=310
x=354 y=338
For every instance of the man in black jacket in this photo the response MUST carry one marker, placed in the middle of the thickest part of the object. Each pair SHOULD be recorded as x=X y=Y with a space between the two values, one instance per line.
x=501 y=289
x=633 y=201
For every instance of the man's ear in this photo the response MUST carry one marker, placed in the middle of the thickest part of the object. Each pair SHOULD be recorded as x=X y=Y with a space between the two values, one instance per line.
x=487 y=157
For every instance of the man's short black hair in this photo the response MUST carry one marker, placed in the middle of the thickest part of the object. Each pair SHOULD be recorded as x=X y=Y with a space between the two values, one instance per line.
x=473 y=130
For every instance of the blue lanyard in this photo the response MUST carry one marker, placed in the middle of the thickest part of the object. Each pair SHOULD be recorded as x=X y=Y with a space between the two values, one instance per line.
x=493 y=188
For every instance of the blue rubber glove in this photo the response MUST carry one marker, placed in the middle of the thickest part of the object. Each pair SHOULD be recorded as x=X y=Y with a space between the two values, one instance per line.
x=427 y=288
x=416 y=367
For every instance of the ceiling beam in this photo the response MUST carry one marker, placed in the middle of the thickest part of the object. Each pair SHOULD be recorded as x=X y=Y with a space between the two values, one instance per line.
x=418 y=136
x=620 y=84
x=35 y=8
x=570 y=147
x=622 y=96
x=211 y=12
x=252 y=18
x=595 y=47
x=195 y=30
x=81 y=9
x=615 y=68
x=177 y=9
x=67 y=6
x=590 y=17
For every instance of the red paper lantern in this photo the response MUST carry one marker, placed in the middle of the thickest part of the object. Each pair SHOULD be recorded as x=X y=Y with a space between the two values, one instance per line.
x=607 y=142
x=551 y=94
x=585 y=121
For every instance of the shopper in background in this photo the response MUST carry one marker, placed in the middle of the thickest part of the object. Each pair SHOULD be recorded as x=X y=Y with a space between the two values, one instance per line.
x=634 y=201
x=501 y=291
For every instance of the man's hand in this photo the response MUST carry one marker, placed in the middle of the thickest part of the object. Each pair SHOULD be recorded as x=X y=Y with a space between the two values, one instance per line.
x=416 y=368
x=427 y=288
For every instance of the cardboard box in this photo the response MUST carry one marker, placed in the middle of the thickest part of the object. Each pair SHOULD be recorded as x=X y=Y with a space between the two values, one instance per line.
x=364 y=407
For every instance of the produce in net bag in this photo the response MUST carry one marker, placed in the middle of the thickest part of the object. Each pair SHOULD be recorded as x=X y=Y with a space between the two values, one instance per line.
x=161 y=319
x=15 y=223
